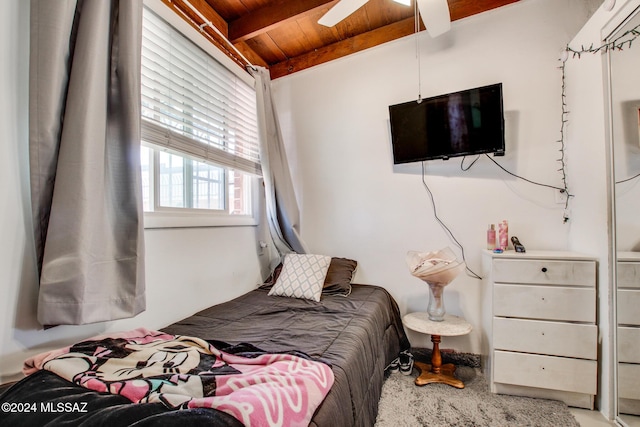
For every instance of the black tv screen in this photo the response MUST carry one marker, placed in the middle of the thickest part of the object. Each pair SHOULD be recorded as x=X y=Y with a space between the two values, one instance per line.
x=455 y=124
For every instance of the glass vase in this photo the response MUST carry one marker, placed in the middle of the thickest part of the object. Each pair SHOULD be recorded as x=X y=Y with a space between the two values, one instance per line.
x=435 y=309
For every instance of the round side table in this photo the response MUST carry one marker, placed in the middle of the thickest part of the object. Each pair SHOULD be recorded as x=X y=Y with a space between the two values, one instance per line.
x=449 y=327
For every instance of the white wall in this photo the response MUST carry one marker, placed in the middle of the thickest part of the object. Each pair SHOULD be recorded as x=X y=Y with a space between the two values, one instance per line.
x=187 y=269
x=355 y=203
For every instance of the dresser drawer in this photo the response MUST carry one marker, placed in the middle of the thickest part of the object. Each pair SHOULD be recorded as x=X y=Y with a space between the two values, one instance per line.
x=545 y=302
x=628 y=380
x=628 y=274
x=545 y=272
x=550 y=338
x=628 y=344
x=556 y=373
x=628 y=303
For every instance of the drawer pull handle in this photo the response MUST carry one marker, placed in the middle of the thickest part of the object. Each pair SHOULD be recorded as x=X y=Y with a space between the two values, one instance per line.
x=544 y=269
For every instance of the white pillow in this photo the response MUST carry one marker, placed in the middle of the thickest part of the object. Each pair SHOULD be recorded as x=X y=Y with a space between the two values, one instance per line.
x=302 y=276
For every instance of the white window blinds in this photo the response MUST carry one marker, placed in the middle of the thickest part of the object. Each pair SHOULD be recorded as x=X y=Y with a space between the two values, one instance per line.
x=192 y=104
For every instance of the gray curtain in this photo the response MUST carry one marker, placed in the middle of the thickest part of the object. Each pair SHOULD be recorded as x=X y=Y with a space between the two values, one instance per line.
x=84 y=136
x=283 y=214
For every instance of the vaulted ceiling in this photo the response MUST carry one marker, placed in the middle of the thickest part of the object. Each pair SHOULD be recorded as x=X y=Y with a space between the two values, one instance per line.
x=284 y=35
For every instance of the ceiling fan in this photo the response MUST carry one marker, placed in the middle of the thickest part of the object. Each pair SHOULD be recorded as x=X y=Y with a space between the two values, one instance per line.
x=434 y=13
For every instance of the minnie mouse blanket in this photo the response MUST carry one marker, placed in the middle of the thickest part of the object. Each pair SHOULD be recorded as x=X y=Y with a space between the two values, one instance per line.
x=257 y=388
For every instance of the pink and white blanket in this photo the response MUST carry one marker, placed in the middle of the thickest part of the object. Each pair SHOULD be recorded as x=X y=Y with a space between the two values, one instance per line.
x=188 y=372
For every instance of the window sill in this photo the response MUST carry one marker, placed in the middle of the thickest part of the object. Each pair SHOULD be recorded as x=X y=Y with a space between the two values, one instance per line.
x=153 y=220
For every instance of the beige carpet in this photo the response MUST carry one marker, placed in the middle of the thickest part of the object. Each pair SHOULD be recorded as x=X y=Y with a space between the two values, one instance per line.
x=439 y=405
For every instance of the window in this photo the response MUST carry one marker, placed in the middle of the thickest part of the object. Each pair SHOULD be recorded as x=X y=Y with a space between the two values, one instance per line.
x=200 y=154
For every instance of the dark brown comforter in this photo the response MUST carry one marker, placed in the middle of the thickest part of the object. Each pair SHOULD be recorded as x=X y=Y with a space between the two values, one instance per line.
x=358 y=336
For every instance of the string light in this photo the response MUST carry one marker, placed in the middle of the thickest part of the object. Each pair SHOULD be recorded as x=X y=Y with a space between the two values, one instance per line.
x=625 y=40
x=561 y=141
x=619 y=43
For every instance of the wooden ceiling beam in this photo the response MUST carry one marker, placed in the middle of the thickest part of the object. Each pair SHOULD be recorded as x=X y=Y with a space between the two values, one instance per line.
x=268 y=17
x=251 y=55
x=343 y=48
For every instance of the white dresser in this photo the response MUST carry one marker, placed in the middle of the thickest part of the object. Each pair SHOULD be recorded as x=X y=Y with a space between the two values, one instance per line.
x=540 y=321
x=628 y=332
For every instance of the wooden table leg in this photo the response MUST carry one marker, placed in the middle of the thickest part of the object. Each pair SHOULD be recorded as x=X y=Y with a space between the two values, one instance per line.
x=437 y=372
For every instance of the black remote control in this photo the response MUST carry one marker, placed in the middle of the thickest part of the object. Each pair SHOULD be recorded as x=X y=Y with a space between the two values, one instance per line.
x=517 y=245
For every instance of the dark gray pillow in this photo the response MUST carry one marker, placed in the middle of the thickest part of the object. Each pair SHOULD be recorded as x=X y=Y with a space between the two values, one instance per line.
x=339 y=277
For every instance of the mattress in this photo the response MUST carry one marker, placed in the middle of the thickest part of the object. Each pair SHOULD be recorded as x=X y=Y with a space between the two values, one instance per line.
x=357 y=335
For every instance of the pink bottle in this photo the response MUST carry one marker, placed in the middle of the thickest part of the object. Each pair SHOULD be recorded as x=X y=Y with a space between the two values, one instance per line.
x=503 y=235
x=491 y=237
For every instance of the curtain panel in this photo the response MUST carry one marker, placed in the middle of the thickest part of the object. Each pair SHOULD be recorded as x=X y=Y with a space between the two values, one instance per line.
x=283 y=215
x=84 y=148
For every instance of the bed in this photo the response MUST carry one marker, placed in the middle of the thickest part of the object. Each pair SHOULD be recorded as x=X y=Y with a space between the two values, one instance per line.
x=355 y=329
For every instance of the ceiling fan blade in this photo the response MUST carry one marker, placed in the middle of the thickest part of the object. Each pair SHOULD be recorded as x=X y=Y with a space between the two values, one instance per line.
x=435 y=15
x=340 y=11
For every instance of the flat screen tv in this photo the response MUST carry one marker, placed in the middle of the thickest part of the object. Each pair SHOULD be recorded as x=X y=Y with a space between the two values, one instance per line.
x=455 y=124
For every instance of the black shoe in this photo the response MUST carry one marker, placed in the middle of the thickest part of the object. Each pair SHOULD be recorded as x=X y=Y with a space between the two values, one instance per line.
x=406 y=362
x=394 y=366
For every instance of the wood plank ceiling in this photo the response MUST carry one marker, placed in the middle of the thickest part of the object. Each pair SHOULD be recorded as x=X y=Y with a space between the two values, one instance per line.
x=284 y=35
